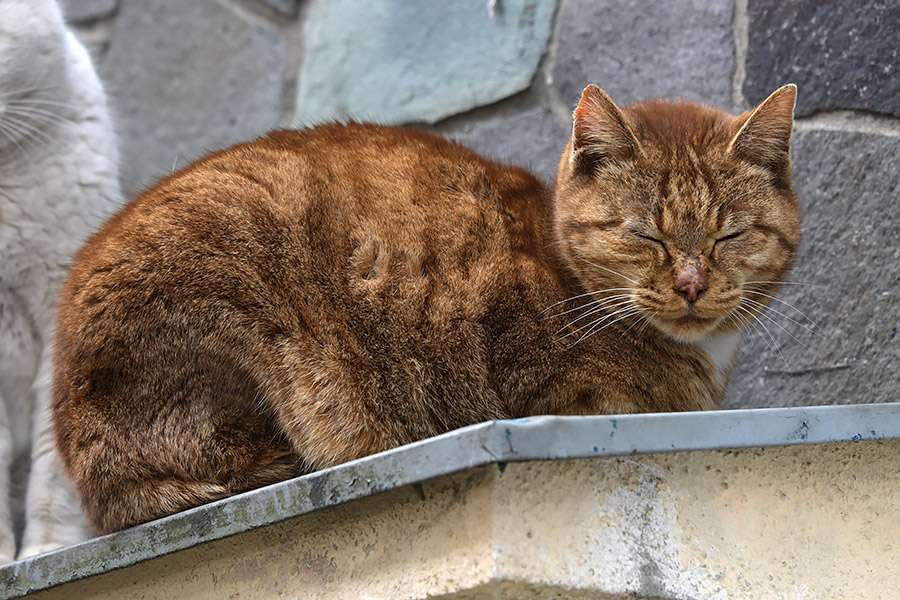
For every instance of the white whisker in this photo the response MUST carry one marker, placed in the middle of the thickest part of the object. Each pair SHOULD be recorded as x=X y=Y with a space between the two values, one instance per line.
x=647 y=322
x=781 y=327
x=589 y=304
x=38 y=116
x=28 y=90
x=594 y=311
x=610 y=270
x=788 y=304
x=749 y=325
x=766 y=329
x=815 y=285
x=642 y=317
x=627 y=313
x=583 y=295
x=41 y=102
x=28 y=131
x=14 y=133
x=778 y=312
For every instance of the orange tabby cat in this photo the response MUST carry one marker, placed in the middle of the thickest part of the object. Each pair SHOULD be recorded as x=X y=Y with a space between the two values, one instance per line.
x=316 y=296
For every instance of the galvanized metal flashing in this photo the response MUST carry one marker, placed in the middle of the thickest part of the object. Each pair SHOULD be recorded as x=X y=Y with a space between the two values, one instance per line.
x=536 y=438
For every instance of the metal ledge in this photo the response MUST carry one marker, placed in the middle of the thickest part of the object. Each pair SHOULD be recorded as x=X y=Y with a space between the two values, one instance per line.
x=532 y=439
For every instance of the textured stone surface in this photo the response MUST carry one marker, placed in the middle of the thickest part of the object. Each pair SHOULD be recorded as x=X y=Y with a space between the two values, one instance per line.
x=77 y=11
x=849 y=185
x=532 y=139
x=841 y=55
x=400 y=61
x=676 y=49
x=186 y=78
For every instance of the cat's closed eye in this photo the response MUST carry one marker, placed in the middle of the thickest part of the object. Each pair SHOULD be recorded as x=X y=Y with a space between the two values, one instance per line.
x=730 y=236
x=651 y=239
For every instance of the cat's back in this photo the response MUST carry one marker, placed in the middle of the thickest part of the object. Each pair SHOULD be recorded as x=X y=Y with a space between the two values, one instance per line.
x=360 y=202
x=352 y=171
x=384 y=228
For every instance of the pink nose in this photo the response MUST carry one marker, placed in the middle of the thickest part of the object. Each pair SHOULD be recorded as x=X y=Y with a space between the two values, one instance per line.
x=691 y=280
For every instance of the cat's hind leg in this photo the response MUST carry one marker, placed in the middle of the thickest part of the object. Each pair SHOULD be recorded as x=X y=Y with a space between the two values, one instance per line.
x=131 y=502
x=53 y=516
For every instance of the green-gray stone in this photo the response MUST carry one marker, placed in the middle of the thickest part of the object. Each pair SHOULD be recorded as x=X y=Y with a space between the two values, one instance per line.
x=394 y=61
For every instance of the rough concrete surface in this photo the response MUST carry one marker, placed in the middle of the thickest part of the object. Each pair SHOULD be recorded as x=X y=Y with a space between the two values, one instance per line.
x=817 y=522
x=841 y=54
x=837 y=327
x=676 y=49
x=396 y=61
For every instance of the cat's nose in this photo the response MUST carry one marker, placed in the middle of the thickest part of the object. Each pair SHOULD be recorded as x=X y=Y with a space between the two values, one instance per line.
x=691 y=279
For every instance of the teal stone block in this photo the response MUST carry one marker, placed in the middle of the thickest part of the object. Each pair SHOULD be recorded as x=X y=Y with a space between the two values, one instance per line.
x=402 y=61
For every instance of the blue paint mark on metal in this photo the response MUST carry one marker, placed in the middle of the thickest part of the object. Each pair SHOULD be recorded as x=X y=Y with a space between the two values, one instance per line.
x=596 y=450
x=802 y=432
x=856 y=437
x=508 y=432
x=615 y=423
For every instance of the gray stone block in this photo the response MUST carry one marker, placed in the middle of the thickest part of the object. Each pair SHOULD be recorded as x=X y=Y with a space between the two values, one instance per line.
x=842 y=55
x=397 y=61
x=532 y=139
x=80 y=11
x=848 y=184
x=288 y=8
x=639 y=50
x=186 y=78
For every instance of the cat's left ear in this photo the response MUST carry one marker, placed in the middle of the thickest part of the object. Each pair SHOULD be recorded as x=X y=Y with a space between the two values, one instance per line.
x=600 y=132
x=765 y=137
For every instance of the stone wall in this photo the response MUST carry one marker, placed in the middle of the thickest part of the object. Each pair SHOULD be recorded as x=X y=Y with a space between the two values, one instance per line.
x=503 y=76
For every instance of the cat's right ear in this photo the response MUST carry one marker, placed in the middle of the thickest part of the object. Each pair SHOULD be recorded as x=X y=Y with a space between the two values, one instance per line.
x=600 y=132
x=765 y=137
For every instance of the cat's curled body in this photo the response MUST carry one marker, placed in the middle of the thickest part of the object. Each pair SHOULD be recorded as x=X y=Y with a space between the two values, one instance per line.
x=58 y=183
x=317 y=296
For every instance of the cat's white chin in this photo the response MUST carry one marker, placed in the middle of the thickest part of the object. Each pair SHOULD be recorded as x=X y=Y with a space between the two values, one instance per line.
x=689 y=328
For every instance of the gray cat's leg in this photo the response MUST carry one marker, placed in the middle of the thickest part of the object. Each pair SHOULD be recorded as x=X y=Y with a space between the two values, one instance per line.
x=7 y=533
x=53 y=515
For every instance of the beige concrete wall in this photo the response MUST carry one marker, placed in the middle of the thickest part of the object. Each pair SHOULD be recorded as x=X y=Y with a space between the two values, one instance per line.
x=804 y=522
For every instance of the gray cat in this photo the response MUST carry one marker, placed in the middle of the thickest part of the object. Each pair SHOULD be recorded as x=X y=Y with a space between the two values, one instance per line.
x=58 y=181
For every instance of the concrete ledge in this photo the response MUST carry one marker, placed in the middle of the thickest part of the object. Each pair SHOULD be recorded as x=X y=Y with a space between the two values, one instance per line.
x=692 y=505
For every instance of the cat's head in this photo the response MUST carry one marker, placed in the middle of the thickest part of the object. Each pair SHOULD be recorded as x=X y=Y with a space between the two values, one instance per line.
x=683 y=213
x=33 y=68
